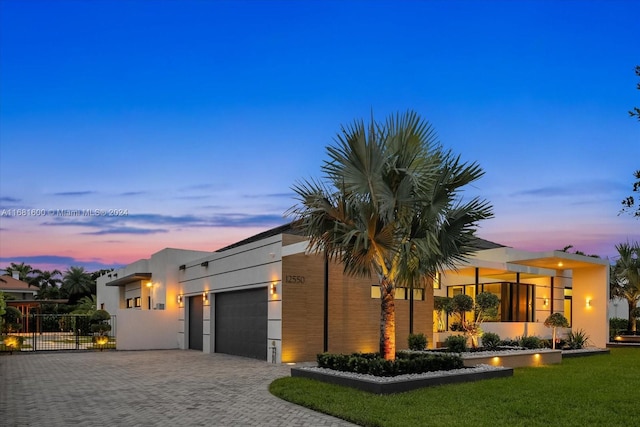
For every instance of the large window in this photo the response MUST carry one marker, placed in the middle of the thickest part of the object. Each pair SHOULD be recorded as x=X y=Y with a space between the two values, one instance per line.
x=516 y=299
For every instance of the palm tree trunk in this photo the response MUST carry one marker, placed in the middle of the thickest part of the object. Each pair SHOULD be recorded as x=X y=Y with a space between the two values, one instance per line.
x=632 y=318
x=387 y=320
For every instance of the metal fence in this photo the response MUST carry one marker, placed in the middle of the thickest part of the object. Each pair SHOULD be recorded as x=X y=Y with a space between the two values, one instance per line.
x=45 y=332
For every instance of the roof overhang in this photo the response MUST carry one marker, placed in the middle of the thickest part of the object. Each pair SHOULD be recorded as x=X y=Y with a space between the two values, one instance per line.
x=559 y=260
x=135 y=277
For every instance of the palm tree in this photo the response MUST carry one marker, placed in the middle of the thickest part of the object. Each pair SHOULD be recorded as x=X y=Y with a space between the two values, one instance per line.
x=76 y=283
x=625 y=278
x=49 y=284
x=390 y=205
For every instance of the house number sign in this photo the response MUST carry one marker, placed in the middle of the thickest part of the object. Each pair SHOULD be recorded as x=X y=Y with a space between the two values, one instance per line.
x=294 y=279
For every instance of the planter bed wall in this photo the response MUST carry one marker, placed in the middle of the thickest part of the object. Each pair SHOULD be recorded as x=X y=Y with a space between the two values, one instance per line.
x=401 y=386
x=516 y=359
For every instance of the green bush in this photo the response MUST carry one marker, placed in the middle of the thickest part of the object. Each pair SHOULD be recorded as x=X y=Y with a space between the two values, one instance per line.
x=417 y=342
x=530 y=342
x=617 y=325
x=11 y=320
x=509 y=343
x=99 y=322
x=373 y=364
x=577 y=339
x=490 y=341
x=456 y=343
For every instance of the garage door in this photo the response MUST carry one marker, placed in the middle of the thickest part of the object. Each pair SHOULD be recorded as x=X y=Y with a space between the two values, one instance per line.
x=241 y=323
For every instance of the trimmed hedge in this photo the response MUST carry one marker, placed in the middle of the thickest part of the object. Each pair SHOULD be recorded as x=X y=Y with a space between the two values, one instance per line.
x=405 y=363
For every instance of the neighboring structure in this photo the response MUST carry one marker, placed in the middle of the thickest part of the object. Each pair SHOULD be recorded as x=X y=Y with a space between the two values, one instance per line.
x=266 y=297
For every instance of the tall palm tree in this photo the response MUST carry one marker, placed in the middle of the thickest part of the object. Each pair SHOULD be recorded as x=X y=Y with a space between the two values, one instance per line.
x=625 y=278
x=76 y=283
x=49 y=283
x=390 y=205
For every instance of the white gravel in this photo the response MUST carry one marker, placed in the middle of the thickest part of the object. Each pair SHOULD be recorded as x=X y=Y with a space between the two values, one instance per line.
x=373 y=378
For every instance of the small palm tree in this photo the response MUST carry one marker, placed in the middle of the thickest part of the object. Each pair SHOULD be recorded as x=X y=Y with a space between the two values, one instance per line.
x=625 y=278
x=389 y=205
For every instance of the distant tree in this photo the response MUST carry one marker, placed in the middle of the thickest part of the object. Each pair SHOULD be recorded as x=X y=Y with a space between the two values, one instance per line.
x=76 y=283
x=86 y=305
x=48 y=283
x=631 y=204
x=625 y=278
x=636 y=111
x=26 y=273
x=566 y=249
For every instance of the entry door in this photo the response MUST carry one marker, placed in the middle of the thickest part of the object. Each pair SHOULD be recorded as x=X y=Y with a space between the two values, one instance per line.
x=195 y=322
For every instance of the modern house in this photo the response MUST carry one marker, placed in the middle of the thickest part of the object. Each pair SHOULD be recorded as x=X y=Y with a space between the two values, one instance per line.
x=266 y=297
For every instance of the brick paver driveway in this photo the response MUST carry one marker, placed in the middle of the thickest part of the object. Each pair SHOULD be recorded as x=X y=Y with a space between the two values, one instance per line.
x=145 y=388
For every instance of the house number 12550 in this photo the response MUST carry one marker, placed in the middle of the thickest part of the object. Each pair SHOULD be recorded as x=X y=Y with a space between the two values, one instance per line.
x=294 y=279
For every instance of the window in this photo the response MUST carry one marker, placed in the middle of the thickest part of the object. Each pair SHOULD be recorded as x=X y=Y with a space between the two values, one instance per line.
x=138 y=302
x=400 y=293
x=129 y=303
x=516 y=299
x=568 y=296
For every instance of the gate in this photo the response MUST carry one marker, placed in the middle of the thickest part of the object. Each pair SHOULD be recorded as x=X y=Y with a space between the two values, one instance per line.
x=45 y=332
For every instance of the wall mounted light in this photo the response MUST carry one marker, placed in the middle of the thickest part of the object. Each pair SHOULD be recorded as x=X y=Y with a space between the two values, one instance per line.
x=205 y=296
x=179 y=299
x=589 y=301
x=182 y=267
x=149 y=284
x=546 y=302
x=204 y=264
x=273 y=287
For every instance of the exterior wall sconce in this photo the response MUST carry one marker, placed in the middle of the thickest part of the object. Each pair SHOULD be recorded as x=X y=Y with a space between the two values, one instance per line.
x=546 y=302
x=204 y=264
x=205 y=297
x=179 y=299
x=182 y=267
x=273 y=287
x=149 y=284
x=589 y=302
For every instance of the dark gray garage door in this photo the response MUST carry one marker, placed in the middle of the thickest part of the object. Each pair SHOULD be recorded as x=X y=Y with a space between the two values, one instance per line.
x=195 y=323
x=241 y=323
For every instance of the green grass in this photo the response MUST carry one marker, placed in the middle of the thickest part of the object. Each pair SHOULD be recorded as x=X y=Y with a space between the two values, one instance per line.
x=583 y=391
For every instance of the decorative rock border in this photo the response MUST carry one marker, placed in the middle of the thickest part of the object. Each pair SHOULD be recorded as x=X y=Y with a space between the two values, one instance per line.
x=402 y=385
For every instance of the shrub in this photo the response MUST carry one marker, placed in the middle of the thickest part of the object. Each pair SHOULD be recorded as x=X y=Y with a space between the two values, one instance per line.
x=617 y=325
x=373 y=364
x=531 y=342
x=417 y=342
x=99 y=323
x=11 y=320
x=456 y=343
x=490 y=340
x=509 y=343
x=577 y=339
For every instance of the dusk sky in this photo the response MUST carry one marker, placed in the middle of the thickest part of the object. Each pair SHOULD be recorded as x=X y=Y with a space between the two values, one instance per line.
x=193 y=119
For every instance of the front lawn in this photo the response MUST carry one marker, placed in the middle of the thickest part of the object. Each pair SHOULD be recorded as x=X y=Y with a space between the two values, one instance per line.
x=594 y=390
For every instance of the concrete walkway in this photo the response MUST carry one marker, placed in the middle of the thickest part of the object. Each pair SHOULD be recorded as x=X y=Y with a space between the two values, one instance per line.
x=145 y=388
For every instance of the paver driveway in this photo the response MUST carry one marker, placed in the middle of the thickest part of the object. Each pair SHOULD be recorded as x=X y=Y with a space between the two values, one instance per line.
x=145 y=388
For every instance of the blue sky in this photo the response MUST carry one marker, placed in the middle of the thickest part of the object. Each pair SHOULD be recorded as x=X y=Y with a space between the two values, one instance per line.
x=196 y=117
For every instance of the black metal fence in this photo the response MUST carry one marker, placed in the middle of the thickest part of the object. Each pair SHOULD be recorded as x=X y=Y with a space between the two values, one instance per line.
x=45 y=332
